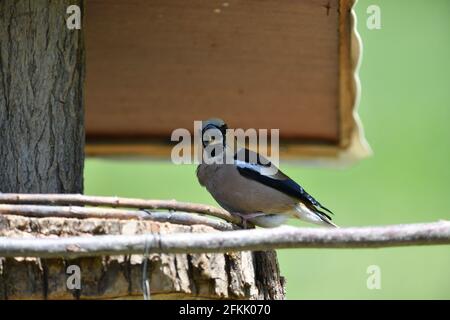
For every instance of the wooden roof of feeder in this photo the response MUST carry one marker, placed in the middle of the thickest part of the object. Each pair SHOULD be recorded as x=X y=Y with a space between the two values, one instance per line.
x=153 y=67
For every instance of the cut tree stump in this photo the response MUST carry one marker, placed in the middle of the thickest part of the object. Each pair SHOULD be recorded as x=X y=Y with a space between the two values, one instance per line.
x=233 y=275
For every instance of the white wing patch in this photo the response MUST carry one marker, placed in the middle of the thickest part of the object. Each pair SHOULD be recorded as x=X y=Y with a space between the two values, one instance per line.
x=246 y=165
x=262 y=170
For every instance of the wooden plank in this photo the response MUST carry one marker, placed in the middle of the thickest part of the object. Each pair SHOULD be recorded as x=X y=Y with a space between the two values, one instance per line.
x=160 y=65
x=289 y=151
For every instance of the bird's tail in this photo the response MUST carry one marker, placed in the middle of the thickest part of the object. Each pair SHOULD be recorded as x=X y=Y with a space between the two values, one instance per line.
x=328 y=223
x=313 y=215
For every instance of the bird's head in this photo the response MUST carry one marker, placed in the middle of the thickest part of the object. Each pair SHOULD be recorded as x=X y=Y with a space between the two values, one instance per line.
x=213 y=132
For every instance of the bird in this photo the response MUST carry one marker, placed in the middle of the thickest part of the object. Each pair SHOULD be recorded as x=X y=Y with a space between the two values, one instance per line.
x=244 y=188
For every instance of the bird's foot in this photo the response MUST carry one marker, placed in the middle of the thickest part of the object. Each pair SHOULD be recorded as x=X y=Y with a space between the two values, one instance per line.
x=247 y=216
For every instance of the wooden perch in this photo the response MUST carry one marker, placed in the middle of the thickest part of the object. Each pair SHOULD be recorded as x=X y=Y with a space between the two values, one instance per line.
x=40 y=235
x=80 y=200
x=111 y=213
x=260 y=239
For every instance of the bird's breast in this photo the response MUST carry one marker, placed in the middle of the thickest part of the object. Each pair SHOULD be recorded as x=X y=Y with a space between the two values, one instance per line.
x=236 y=193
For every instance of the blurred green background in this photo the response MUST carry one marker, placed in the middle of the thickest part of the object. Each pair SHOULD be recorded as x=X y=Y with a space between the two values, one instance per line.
x=405 y=109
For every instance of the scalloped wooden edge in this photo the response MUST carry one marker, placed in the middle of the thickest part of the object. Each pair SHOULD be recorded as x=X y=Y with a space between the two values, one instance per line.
x=353 y=141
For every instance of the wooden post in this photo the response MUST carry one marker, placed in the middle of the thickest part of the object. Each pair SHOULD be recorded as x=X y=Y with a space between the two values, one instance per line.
x=42 y=69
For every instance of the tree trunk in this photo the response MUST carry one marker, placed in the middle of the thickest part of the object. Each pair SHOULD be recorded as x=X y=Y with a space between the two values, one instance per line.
x=41 y=98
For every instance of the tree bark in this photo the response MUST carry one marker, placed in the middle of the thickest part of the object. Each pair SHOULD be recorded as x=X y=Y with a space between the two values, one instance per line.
x=41 y=98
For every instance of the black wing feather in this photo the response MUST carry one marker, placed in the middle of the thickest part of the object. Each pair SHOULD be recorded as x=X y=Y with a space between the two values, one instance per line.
x=285 y=184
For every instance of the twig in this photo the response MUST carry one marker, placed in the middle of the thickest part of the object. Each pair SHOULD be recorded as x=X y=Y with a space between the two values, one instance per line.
x=436 y=233
x=42 y=211
x=80 y=200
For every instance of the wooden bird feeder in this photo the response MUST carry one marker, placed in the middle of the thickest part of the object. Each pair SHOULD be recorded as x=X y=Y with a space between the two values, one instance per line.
x=153 y=67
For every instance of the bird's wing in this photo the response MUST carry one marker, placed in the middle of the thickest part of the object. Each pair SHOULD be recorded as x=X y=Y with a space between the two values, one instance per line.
x=254 y=166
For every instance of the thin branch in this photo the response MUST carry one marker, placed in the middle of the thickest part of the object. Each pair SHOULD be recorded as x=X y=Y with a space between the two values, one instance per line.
x=41 y=211
x=80 y=200
x=437 y=233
